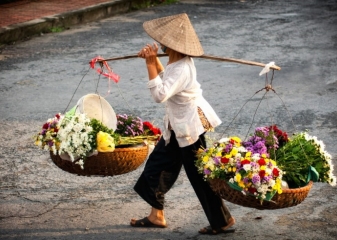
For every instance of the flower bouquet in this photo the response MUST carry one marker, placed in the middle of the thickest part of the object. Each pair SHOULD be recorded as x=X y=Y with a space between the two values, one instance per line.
x=304 y=158
x=251 y=173
x=268 y=166
x=47 y=138
x=78 y=139
x=134 y=131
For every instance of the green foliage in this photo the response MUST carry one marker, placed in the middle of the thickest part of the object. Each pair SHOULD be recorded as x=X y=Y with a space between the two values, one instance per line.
x=296 y=157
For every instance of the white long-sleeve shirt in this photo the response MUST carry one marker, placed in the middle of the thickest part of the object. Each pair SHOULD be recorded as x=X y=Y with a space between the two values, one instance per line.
x=177 y=86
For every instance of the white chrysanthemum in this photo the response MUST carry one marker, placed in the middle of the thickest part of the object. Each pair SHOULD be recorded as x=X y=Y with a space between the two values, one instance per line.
x=77 y=128
x=210 y=165
x=268 y=171
x=247 y=167
x=224 y=140
x=242 y=149
x=53 y=148
x=333 y=181
x=81 y=163
x=73 y=134
x=255 y=157
x=271 y=183
x=331 y=166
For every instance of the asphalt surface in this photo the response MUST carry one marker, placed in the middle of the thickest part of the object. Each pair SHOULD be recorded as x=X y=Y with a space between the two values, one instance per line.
x=40 y=77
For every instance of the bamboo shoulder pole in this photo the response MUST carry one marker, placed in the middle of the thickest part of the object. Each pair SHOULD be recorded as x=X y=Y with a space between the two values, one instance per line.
x=222 y=59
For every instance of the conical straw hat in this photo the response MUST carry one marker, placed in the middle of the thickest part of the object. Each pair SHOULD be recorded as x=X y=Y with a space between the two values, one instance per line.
x=175 y=32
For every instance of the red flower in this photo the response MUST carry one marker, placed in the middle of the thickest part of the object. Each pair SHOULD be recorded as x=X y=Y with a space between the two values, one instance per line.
x=261 y=162
x=151 y=128
x=280 y=135
x=252 y=190
x=245 y=162
x=276 y=172
x=262 y=173
x=156 y=131
x=45 y=126
x=147 y=125
x=224 y=160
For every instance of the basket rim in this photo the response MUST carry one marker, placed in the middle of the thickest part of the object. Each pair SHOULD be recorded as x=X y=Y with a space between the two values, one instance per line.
x=120 y=161
x=288 y=197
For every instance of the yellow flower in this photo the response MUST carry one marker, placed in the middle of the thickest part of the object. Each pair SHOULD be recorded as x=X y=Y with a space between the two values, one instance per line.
x=237 y=141
x=264 y=167
x=238 y=177
x=273 y=162
x=105 y=143
x=205 y=159
x=200 y=151
x=210 y=166
x=241 y=184
x=234 y=151
x=278 y=186
x=248 y=155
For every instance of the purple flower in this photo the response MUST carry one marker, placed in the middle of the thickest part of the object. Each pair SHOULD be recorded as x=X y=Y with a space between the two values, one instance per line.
x=256 y=179
x=217 y=160
x=266 y=179
x=254 y=164
x=228 y=148
x=207 y=172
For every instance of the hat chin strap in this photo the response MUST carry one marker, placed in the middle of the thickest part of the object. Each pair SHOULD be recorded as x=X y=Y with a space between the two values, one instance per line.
x=164 y=49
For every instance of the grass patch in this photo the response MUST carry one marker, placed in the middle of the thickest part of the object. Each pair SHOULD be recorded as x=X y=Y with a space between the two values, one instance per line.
x=151 y=3
x=56 y=29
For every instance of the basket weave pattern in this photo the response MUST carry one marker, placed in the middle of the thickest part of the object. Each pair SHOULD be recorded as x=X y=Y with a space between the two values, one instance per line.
x=120 y=161
x=288 y=198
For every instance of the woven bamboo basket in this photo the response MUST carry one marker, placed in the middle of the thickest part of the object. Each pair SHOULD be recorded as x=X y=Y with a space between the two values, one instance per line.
x=288 y=197
x=120 y=161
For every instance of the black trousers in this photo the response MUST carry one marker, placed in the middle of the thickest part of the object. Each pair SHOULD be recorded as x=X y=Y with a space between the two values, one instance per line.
x=162 y=170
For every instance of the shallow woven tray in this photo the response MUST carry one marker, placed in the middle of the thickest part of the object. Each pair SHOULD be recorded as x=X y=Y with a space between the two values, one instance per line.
x=288 y=198
x=120 y=161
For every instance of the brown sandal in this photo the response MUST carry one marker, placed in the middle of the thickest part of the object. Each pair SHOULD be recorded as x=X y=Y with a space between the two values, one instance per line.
x=209 y=231
x=146 y=223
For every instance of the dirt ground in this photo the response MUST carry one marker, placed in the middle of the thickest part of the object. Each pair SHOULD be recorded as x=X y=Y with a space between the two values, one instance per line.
x=39 y=77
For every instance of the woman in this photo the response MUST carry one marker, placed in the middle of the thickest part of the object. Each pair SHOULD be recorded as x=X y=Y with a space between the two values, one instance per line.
x=188 y=116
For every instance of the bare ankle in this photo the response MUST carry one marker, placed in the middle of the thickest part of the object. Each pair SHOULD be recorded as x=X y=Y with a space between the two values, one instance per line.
x=157 y=216
x=230 y=223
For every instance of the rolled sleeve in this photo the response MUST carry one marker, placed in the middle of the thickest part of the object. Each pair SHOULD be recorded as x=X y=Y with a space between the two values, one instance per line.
x=154 y=82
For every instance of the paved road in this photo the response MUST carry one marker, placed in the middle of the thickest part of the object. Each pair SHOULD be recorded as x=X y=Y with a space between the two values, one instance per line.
x=38 y=78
